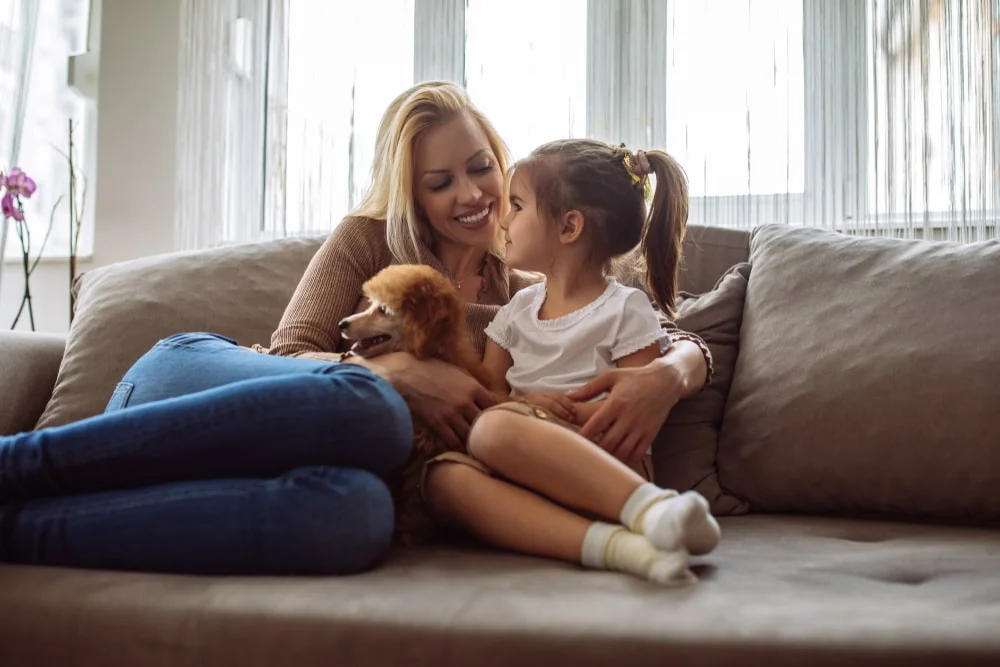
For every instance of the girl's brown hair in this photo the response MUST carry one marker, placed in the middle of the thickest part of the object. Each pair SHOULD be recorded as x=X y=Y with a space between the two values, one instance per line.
x=608 y=186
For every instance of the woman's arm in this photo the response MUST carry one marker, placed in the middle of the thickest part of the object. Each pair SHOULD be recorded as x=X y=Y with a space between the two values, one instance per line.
x=640 y=398
x=643 y=357
x=443 y=396
x=330 y=290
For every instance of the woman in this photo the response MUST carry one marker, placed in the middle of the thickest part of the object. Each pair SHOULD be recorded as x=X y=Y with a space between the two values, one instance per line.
x=216 y=459
x=437 y=197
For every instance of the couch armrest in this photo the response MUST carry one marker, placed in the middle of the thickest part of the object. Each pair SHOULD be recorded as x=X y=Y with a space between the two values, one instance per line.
x=29 y=363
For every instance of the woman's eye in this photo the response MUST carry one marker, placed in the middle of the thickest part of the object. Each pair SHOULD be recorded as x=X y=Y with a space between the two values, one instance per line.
x=440 y=186
x=383 y=310
x=484 y=169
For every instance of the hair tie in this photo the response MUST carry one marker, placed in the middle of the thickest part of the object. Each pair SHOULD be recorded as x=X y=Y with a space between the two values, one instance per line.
x=638 y=168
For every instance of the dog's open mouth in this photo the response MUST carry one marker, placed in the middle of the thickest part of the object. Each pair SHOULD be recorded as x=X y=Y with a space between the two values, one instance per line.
x=367 y=344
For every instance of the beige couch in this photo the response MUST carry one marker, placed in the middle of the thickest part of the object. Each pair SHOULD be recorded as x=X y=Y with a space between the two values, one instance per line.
x=852 y=436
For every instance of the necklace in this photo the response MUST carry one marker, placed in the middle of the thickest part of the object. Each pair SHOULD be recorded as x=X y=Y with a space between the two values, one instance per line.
x=458 y=281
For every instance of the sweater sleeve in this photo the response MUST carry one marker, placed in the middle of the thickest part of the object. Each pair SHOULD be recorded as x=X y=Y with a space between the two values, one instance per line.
x=330 y=288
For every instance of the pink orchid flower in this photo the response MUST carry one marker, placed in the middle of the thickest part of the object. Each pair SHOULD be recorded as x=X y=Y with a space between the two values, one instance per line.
x=8 y=208
x=20 y=183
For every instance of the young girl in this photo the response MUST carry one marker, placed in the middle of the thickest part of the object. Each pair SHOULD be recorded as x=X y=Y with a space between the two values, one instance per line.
x=530 y=482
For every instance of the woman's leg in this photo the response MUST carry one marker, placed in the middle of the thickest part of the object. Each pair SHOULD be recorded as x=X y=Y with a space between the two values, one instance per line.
x=513 y=518
x=572 y=471
x=310 y=521
x=186 y=363
x=264 y=427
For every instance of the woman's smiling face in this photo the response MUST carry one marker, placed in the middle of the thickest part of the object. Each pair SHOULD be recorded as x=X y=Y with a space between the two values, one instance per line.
x=457 y=183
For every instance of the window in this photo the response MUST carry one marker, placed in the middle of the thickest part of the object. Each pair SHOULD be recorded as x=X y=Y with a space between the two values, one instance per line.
x=338 y=81
x=799 y=111
x=735 y=113
x=528 y=75
x=933 y=107
x=59 y=30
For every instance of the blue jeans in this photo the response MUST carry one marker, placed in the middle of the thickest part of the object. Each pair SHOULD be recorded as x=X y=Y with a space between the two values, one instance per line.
x=212 y=459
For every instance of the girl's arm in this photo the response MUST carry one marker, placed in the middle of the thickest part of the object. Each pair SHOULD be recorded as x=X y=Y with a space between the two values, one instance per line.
x=497 y=361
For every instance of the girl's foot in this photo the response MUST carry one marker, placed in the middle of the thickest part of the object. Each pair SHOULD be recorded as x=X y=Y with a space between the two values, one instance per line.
x=611 y=547
x=671 y=521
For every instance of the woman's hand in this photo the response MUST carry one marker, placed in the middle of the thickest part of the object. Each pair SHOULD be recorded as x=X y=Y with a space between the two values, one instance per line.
x=443 y=396
x=640 y=400
x=558 y=404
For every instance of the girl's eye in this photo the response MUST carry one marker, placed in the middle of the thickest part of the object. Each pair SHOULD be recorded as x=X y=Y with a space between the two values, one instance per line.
x=515 y=206
x=384 y=310
x=440 y=186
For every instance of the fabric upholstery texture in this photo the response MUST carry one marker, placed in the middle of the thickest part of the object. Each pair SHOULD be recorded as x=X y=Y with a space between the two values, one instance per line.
x=684 y=454
x=868 y=380
x=238 y=291
x=780 y=591
x=29 y=363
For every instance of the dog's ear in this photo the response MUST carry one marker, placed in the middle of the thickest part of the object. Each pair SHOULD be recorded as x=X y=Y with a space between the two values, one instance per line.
x=430 y=317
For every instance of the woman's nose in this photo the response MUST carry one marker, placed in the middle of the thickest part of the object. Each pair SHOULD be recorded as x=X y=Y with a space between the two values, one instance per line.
x=469 y=193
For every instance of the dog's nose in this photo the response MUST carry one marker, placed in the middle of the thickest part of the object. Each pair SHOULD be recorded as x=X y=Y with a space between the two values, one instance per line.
x=344 y=324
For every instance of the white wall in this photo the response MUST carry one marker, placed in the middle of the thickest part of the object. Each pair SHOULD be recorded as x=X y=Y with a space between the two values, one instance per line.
x=136 y=138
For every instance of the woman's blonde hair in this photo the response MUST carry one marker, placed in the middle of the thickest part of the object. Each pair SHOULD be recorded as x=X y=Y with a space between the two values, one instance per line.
x=391 y=196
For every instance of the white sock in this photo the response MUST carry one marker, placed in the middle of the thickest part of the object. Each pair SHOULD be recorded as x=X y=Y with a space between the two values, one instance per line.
x=610 y=547
x=671 y=521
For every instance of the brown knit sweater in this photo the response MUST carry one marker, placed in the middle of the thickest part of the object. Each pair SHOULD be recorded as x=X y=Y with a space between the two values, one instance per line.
x=356 y=250
x=330 y=290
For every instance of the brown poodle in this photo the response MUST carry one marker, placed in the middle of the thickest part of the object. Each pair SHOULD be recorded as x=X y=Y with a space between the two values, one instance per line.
x=413 y=308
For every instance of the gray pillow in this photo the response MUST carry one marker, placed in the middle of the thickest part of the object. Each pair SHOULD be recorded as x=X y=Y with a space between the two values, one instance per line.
x=868 y=380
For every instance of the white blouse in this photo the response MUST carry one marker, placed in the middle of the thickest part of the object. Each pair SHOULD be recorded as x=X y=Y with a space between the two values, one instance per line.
x=566 y=352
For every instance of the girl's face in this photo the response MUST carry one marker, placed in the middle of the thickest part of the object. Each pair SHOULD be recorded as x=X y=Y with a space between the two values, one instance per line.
x=457 y=184
x=531 y=241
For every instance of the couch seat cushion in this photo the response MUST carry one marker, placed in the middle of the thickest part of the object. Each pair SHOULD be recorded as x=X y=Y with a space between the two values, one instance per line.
x=779 y=591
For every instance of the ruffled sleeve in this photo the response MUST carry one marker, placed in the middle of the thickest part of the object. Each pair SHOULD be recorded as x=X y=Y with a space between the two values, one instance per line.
x=639 y=328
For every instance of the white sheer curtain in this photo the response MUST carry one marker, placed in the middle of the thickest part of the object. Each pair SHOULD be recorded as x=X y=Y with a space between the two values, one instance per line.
x=867 y=116
x=37 y=102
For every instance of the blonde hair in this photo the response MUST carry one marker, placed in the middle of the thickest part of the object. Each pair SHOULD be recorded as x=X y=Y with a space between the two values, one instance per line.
x=391 y=197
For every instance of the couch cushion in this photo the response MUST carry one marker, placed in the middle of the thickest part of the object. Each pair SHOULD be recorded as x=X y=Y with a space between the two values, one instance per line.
x=868 y=379
x=782 y=592
x=684 y=454
x=122 y=310
x=29 y=363
x=709 y=252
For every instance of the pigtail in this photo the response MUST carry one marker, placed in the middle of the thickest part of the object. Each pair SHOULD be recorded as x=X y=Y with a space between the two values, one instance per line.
x=663 y=232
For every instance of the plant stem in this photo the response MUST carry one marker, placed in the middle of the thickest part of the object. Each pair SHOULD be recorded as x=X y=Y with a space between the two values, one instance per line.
x=24 y=236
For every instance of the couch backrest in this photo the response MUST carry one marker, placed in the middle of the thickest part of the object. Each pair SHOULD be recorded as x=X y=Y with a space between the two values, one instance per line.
x=239 y=291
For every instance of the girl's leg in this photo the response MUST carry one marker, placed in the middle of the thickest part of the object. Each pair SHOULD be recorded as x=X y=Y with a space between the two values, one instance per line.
x=513 y=518
x=186 y=363
x=572 y=471
x=253 y=428
x=310 y=521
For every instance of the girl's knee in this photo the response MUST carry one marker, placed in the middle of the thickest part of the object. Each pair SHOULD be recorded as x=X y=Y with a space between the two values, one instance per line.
x=336 y=520
x=495 y=432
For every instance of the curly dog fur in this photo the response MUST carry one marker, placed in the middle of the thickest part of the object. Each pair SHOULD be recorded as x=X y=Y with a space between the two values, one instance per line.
x=413 y=308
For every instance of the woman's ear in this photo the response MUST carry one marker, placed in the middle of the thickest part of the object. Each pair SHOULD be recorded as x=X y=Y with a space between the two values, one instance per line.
x=571 y=227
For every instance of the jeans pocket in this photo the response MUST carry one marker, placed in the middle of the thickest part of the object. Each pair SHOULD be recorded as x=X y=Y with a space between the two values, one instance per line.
x=119 y=399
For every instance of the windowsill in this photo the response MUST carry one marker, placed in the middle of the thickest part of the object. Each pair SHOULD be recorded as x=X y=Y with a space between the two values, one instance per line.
x=48 y=259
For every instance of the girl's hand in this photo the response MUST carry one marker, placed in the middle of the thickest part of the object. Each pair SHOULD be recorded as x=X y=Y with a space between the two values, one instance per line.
x=443 y=396
x=630 y=417
x=558 y=404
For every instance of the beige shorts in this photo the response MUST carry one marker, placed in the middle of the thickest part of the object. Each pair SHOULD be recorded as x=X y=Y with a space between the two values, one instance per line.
x=644 y=467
